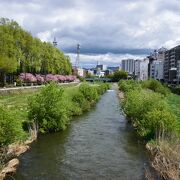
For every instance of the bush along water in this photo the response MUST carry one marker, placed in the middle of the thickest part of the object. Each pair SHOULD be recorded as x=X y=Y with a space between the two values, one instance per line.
x=146 y=106
x=51 y=111
x=10 y=131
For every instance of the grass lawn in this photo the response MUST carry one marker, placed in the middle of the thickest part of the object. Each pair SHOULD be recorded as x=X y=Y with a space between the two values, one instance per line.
x=17 y=103
x=174 y=103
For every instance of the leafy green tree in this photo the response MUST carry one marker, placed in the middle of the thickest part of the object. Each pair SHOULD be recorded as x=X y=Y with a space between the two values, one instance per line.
x=118 y=75
x=28 y=54
x=7 y=65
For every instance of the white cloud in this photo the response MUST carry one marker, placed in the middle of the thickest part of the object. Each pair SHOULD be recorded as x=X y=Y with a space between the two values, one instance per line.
x=103 y=24
x=109 y=58
x=45 y=36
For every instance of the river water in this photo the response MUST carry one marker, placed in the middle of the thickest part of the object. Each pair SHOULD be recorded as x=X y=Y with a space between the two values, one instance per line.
x=98 y=145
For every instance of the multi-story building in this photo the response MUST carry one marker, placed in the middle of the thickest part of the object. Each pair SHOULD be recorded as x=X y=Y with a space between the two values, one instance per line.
x=137 y=68
x=141 y=69
x=171 y=65
x=157 y=70
x=113 y=68
x=157 y=55
x=128 y=65
x=178 y=71
x=102 y=67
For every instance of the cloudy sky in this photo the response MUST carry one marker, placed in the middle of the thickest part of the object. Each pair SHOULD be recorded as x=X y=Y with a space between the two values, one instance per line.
x=107 y=30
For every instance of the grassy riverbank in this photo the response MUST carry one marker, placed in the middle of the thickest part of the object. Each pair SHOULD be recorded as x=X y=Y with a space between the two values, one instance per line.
x=155 y=114
x=174 y=102
x=48 y=110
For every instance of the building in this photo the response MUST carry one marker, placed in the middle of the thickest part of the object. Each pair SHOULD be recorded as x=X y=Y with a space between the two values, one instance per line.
x=171 y=65
x=159 y=54
x=178 y=71
x=79 y=72
x=141 y=69
x=100 y=73
x=143 y=75
x=137 y=69
x=113 y=69
x=128 y=65
x=157 y=70
x=102 y=67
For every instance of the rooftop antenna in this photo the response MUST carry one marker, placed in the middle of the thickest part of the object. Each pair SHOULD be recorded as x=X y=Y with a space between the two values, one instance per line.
x=78 y=58
x=55 y=42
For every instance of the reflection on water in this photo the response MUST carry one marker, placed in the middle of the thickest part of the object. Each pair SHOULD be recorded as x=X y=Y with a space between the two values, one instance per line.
x=97 y=145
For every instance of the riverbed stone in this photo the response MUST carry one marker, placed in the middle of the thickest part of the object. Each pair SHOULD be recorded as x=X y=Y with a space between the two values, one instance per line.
x=10 y=167
x=17 y=149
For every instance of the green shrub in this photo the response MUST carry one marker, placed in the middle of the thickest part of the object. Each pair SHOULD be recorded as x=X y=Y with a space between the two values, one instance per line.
x=102 y=88
x=158 y=123
x=80 y=101
x=129 y=85
x=89 y=92
x=49 y=110
x=155 y=86
x=138 y=103
x=149 y=113
x=10 y=128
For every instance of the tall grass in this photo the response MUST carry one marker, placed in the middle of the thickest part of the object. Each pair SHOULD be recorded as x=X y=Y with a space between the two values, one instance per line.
x=155 y=114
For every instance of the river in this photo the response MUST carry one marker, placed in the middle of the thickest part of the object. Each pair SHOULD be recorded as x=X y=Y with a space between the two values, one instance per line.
x=97 y=145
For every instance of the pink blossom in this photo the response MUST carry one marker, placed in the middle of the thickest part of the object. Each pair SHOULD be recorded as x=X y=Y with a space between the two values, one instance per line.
x=51 y=77
x=40 y=78
x=61 y=78
x=27 y=77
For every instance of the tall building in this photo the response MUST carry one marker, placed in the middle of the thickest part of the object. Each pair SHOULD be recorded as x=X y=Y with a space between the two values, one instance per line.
x=137 y=68
x=141 y=69
x=178 y=71
x=128 y=65
x=157 y=70
x=171 y=65
x=158 y=54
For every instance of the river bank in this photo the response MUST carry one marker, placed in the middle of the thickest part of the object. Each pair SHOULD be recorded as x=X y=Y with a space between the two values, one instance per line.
x=100 y=144
x=163 y=142
x=72 y=97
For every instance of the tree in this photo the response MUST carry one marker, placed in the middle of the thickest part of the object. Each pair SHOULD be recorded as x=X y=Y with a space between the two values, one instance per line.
x=118 y=75
x=23 y=53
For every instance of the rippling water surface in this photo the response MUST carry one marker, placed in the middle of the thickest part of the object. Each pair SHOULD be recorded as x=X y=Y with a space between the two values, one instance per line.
x=98 y=145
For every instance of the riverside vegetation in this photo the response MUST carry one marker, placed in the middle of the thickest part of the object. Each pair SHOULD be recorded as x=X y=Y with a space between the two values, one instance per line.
x=49 y=110
x=20 y=52
x=155 y=114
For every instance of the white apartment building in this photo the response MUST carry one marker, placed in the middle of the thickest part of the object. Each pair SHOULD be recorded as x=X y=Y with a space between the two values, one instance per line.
x=141 y=69
x=157 y=70
x=128 y=65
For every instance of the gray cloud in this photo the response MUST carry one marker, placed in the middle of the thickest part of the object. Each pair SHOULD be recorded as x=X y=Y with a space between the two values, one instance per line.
x=116 y=26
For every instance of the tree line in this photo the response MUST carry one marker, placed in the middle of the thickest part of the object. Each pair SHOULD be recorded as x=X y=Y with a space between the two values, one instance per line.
x=20 y=52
